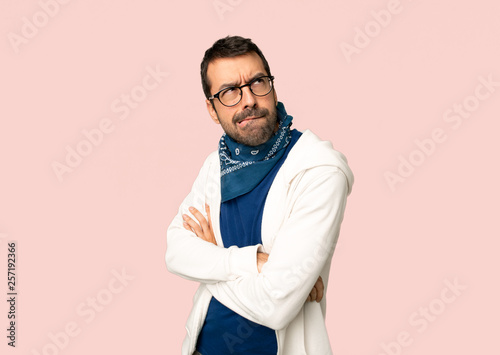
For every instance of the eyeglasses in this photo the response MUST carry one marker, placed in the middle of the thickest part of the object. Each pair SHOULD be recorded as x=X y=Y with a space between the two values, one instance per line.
x=231 y=96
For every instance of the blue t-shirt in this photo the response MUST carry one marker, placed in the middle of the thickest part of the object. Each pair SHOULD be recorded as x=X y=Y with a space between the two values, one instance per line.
x=224 y=331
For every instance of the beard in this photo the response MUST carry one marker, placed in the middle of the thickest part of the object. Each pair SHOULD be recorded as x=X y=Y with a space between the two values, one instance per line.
x=253 y=133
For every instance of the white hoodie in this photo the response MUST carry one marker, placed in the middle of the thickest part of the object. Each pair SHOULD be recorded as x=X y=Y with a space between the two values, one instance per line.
x=300 y=227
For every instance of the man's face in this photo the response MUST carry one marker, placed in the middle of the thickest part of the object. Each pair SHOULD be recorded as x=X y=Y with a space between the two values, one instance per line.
x=253 y=120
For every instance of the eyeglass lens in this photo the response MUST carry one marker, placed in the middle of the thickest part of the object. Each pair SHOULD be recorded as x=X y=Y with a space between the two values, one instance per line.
x=259 y=87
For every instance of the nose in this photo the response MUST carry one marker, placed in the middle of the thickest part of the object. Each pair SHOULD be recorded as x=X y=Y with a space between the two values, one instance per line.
x=248 y=99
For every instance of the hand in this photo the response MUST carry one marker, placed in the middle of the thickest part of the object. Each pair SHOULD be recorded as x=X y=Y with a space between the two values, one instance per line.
x=317 y=291
x=261 y=260
x=204 y=229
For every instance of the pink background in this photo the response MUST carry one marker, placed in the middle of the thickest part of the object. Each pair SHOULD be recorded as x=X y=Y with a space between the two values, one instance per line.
x=396 y=249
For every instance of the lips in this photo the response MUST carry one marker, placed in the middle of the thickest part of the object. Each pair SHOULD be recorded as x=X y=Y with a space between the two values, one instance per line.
x=245 y=121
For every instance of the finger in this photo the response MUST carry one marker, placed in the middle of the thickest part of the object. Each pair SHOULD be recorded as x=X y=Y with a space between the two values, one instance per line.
x=209 y=221
x=320 y=287
x=308 y=298
x=207 y=209
x=313 y=294
x=201 y=219
x=186 y=226
x=194 y=226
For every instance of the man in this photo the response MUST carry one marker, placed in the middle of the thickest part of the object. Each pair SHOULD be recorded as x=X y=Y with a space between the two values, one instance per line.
x=259 y=227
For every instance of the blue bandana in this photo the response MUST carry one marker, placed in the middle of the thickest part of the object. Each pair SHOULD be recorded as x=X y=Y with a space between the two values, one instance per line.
x=243 y=167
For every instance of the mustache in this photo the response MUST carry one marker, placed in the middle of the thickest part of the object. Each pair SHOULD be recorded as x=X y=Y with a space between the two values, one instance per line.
x=251 y=112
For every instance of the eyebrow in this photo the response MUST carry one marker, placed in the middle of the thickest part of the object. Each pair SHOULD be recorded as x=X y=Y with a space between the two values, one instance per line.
x=227 y=85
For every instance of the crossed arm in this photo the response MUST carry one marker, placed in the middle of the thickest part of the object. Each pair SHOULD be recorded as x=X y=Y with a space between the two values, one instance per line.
x=203 y=229
x=274 y=292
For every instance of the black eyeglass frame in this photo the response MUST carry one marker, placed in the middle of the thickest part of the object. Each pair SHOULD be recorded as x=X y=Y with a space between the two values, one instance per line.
x=216 y=95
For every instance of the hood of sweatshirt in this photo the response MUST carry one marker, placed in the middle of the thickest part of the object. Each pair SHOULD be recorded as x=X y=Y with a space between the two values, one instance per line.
x=316 y=152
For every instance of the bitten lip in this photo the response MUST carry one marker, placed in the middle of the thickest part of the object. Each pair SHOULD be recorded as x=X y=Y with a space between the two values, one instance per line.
x=249 y=119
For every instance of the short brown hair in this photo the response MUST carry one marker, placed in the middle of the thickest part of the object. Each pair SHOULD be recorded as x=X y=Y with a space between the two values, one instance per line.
x=228 y=47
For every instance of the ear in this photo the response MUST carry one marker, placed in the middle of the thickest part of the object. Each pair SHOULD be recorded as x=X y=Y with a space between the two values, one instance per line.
x=275 y=97
x=212 y=112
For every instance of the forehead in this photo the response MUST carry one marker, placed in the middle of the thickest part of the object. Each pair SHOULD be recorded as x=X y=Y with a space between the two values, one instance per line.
x=235 y=69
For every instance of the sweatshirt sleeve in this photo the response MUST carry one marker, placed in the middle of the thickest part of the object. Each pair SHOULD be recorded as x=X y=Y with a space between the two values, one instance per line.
x=303 y=246
x=195 y=259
